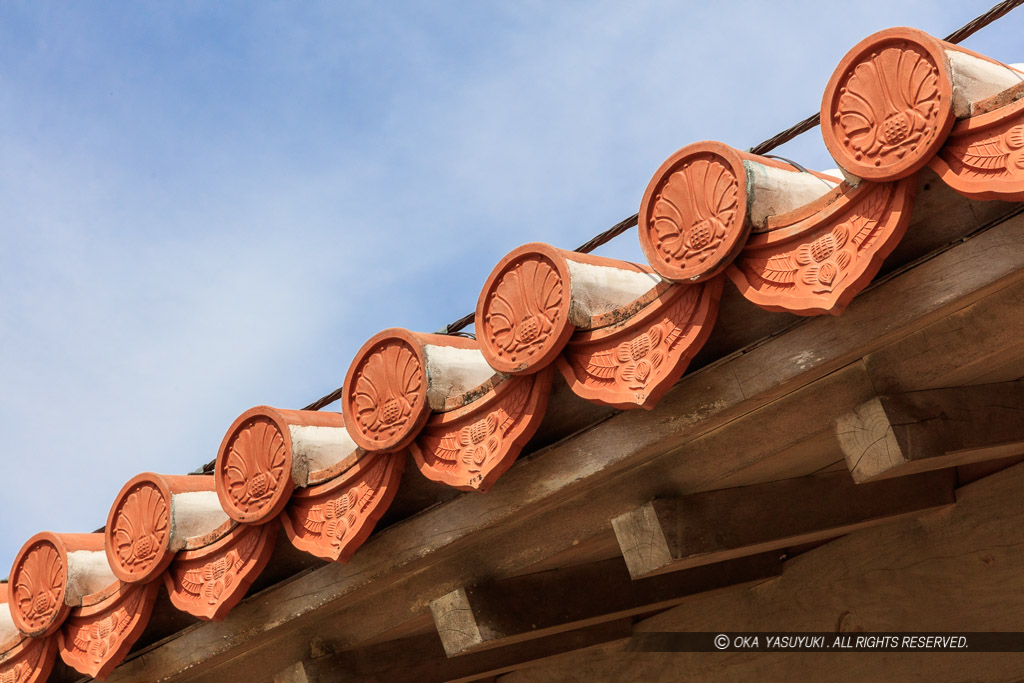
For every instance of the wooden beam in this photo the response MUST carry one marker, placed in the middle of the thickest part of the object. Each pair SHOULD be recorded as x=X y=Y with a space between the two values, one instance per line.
x=678 y=533
x=959 y=350
x=953 y=570
x=471 y=537
x=423 y=659
x=524 y=607
x=899 y=434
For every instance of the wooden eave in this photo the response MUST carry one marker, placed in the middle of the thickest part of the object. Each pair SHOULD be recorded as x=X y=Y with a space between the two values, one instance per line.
x=759 y=408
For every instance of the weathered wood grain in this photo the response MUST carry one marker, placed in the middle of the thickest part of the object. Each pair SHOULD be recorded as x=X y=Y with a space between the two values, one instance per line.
x=422 y=659
x=956 y=569
x=677 y=533
x=958 y=350
x=899 y=434
x=536 y=605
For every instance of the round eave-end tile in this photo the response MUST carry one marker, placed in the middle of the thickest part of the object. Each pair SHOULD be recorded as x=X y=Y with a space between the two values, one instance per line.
x=138 y=532
x=385 y=401
x=693 y=217
x=38 y=582
x=887 y=108
x=522 y=315
x=254 y=467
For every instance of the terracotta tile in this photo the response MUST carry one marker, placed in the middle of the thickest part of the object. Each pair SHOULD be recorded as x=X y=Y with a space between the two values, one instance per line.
x=983 y=158
x=51 y=574
x=23 y=659
x=141 y=537
x=894 y=97
x=331 y=520
x=392 y=385
x=633 y=363
x=268 y=451
x=96 y=637
x=208 y=582
x=469 y=448
x=537 y=296
x=701 y=203
x=31 y=661
x=815 y=260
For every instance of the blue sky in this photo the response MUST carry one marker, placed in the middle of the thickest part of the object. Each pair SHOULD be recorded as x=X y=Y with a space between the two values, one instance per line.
x=210 y=206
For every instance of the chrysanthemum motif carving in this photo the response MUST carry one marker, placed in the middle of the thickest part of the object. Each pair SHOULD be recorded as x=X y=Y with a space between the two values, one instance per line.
x=16 y=672
x=634 y=362
x=337 y=517
x=693 y=217
x=523 y=309
x=387 y=392
x=823 y=263
x=140 y=530
x=213 y=579
x=333 y=519
x=639 y=358
x=208 y=582
x=889 y=104
x=256 y=466
x=983 y=157
x=694 y=210
x=998 y=155
x=29 y=662
x=473 y=446
x=819 y=263
x=887 y=107
x=95 y=640
x=38 y=587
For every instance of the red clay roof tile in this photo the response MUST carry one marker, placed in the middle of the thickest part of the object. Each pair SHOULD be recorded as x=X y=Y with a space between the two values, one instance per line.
x=96 y=638
x=207 y=582
x=331 y=520
x=470 y=447
x=156 y=515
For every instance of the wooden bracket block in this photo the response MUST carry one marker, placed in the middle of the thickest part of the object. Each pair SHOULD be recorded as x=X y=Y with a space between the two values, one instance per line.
x=668 y=535
x=536 y=605
x=296 y=673
x=899 y=434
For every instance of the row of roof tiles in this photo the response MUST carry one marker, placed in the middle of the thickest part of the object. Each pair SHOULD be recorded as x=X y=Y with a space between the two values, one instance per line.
x=619 y=333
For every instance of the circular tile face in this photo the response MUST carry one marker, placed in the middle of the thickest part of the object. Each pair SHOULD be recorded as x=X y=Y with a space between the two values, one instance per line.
x=693 y=218
x=138 y=535
x=887 y=108
x=385 y=394
x=523 y=318
x=254 y=470
x=36 y=590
